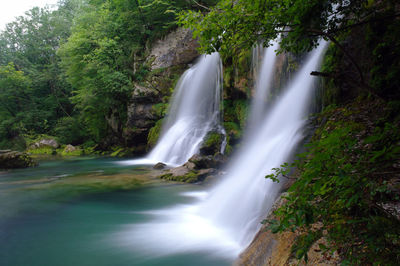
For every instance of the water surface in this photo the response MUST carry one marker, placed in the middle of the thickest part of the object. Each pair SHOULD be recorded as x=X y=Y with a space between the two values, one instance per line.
x=70 y=212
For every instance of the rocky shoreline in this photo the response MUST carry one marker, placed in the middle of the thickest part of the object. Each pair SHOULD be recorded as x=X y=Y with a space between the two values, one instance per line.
x=272 y=249
x=14 y=159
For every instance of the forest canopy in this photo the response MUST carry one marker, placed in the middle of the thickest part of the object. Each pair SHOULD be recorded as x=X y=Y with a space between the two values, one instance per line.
x=77 y=63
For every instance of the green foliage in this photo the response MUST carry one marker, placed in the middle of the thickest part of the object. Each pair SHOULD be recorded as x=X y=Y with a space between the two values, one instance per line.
x=233 y=130
x=214 y=139
x=154 y=133
x=68 y=131
x=33 y=90
x=43 y=151
x=385 y=73
x=160 y=109
x=104 y=55
x=241 y=108
x=343 y=186
x=241 y=24
x=212 y=143
x=236 y=111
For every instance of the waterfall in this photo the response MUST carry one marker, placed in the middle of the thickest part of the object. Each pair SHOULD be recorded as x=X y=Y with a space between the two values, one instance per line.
x=263 y=76
x=194 y=111
x=250 y=194
x=225 y=219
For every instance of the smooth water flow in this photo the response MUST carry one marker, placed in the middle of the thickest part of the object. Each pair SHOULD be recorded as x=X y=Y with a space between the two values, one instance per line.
x=263 y=76
x=224 y=220
x=194 y=111
x=241 y=200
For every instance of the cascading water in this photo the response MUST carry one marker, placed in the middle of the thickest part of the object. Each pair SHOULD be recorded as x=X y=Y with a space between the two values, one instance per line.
x=194 y=111
x=225 y=219
x=263 y=76
x=250 y=194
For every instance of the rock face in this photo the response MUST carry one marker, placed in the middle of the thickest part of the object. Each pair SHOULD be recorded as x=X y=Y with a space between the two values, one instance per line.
x=275 y=249
x=176 y=49
x=168 y=59
x=141 y=115
x=14 y=159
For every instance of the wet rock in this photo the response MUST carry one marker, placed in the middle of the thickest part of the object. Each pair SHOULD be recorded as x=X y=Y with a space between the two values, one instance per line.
x=212 y=143
x=14 y=159
x=187 y=173
x=159 y=166
x=205 y=162
x=202 y=162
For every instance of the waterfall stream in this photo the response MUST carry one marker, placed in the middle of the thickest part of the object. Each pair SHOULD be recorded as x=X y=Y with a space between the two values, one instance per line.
x=194 y=111
x=224 y=220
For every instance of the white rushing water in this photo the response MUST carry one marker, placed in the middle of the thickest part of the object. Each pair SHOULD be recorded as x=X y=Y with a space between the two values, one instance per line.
x=224 y=220
x=194 y=111
x=263 y=76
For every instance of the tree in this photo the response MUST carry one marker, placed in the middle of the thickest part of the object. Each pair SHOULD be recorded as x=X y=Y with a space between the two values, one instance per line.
x=105 y=54
x=298 y=24
x=28 y=52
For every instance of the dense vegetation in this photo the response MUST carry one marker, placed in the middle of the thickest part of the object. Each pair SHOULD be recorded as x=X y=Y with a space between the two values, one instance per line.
x=68 y=72
x=346 y=189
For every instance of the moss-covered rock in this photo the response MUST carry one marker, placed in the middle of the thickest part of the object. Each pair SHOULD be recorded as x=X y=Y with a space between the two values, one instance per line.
x=205 y=162
x=191 y=176
x=154 y=133
x=14 y=159
x=212 y=143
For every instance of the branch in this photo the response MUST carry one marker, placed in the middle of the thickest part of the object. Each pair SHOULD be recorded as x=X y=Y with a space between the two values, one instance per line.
x=321 y=74
x=200 y=5
x=360 y=23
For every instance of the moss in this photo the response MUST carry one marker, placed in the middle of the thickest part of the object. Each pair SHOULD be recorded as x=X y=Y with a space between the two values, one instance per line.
x=235 y=115
x=160 y=109
x=43 y=150
x=228 y=149
x=228 y=75
x=77 y=152
x=214 y=139
x=14 y=159
x=191 y=177
x=233 y=130
x=212 y=143
x=244 y=61
x=241 y=108
x=154 y=133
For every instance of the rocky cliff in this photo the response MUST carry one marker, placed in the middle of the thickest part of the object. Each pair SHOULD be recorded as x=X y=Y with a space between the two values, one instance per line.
x=167 y=60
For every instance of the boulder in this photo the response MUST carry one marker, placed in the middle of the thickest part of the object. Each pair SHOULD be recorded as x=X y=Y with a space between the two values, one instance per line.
x=69 y=148
x=159 y=166
x=204 y=162
x=52 y=143
x=183 y=174
x=14 y=159
x=197 y=169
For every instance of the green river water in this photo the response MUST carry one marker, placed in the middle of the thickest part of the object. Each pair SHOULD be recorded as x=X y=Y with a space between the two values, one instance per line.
x=67 y=212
